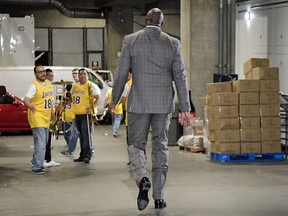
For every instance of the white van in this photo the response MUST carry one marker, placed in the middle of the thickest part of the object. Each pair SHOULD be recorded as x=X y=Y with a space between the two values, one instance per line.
x=18 y=79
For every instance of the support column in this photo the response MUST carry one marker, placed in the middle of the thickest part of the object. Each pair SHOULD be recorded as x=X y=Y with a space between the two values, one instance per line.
x=185 y=32
x=199 y=40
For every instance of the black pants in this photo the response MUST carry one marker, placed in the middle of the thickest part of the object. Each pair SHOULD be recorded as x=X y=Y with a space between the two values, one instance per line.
x=83 y=126
x=48 y=148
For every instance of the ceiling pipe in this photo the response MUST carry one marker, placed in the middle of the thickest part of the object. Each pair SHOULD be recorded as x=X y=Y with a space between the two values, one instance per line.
x=220 y=39
x=64 y=9
x=229 y=42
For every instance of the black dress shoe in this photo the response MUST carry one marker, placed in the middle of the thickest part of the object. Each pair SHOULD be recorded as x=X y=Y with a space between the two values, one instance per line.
x=87 y=160
x=78 y=160
x=142 y=199
x=160 y=203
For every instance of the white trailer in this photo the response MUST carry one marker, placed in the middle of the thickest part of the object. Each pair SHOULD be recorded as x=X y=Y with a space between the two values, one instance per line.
x=17 y=59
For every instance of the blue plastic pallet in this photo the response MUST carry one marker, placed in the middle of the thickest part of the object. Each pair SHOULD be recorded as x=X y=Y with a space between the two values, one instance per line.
x=251 y=157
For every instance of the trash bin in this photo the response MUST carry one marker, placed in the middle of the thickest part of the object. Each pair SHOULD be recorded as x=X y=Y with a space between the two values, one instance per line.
x=175 y=129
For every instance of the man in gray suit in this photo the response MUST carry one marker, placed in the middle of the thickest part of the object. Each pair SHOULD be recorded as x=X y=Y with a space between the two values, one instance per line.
x=156 y=61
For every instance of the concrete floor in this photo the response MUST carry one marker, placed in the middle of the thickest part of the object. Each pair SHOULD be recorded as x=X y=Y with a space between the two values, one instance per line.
x=195 y=185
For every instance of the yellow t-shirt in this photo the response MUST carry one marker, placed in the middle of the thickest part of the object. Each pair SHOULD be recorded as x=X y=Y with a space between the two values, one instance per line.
x=44 y=102
x=119 y=107
x=81 y=99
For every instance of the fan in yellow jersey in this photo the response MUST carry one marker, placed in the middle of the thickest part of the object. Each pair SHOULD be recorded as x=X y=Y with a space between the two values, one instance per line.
x=116 y=115
x=82 y=107
x=48 y=162
x=39 y=100
x=70 y=132
x=124 y=100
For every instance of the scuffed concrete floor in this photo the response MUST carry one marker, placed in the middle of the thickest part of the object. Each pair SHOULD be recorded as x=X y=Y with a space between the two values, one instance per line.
x=105 y=187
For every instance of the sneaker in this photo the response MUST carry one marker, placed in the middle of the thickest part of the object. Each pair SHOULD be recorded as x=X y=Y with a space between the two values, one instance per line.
x=66 y=153
x=47 y=165
x=38 y=171
x=115 y=134
x=54 y=164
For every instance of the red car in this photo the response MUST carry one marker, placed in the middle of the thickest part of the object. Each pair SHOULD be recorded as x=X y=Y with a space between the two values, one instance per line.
x=13 y=112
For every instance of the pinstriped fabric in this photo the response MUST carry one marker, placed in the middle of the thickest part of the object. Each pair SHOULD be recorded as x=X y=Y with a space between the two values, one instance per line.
x=138 y=133
x=155 y=61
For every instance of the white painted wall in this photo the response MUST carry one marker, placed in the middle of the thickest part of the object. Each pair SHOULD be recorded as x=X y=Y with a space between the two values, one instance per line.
x=265 y=35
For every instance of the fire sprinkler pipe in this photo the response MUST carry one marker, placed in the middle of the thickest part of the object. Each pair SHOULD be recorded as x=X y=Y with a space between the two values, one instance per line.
x=64 y=9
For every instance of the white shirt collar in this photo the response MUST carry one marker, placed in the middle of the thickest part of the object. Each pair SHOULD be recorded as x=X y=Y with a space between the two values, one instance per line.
x=152 y=26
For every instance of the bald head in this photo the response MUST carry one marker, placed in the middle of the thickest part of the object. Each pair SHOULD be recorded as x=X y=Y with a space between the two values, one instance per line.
x=154 y=17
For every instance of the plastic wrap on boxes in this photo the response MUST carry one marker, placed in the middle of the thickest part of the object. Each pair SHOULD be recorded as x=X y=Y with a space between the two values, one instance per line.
x=191 y=140
x=195 y=128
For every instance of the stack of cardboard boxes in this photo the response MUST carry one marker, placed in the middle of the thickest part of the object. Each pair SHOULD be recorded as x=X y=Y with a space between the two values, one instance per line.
x=222 y=118
x=269 y=104
x=242 y=116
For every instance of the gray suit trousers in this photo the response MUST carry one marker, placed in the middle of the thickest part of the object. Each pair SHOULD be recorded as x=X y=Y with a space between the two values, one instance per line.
x=138 y=129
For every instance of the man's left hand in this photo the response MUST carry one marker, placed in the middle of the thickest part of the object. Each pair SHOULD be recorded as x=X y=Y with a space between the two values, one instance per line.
x=111 y=108
x=184 y=118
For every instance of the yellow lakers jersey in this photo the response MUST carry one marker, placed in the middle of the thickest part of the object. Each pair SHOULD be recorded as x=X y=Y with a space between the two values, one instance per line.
x=126 y=103
x=119 y=107
x=43 y=100
x=69 y=114
x=81 y=99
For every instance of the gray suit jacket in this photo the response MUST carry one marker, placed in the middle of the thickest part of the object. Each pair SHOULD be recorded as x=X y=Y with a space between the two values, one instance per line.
x=155 y=61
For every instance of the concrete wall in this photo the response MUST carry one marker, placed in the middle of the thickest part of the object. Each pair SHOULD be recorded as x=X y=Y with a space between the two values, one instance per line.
x=198 y=35
x=200 y=45
x=119 y=23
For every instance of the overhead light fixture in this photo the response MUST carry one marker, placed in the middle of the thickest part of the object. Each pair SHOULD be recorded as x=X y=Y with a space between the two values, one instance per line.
x=248 y=15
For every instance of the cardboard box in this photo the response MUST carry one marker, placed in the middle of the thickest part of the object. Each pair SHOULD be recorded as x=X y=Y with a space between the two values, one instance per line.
x=211 y=135
x=270 y=122
x=272 y=134
x=202 y=102
x=250 y=122
x=225 y=98
x=196 y=121
x=248 y=75
x=245 y=86
x=269 y=85
x=197 y=130
x=227 y=123
x=211 y=124
x=269 y=98
x=250 y=135
x=225 y=111
x=249 y=98
x=255 y=62
x=271 y=147
x=213 y=147
x=228 y=148
x=218 y=87
x=249 y=111
x=209 y=100
x=223 y=136
x=250 y=147
x=270 y=110
x=209 y=111
x=265 y=73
